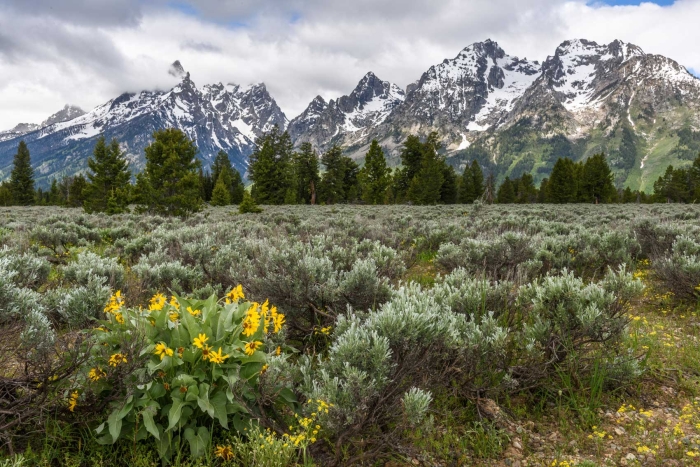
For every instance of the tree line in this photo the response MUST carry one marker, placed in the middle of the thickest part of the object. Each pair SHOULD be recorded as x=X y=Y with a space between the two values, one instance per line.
x=173 y=181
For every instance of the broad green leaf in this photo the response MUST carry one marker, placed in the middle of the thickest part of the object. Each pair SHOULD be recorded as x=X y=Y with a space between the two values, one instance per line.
x=218 y=402
x=198 y=440
x=250 y=370
x=147 y=415
x=203 y=400
x=114 y=422
x=175 y=413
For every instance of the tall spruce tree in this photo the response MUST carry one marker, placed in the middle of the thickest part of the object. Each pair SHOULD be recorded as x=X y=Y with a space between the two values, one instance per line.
x=506 y=192
x=333 y=182
x=221 y=195
x=170 y=183
x=426 y=184
x=109 y=177
x=597 y=181
x=411 y=157
x=449 y=189
x=562 y=186
x=472 y=184
x=306 y=174
x=269 y=167
x=375 y=176
x=22 y=177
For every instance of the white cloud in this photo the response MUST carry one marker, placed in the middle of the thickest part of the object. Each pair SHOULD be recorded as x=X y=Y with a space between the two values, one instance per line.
x=52 y=53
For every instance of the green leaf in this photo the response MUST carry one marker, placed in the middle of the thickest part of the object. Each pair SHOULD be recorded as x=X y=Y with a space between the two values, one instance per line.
x=288 y=397
x=250 y=370
x=175 y=413
x=198 y=441
x=218 y=402
x=147 y=415
x=225 y=320
x=203 y=400
x=114 y=422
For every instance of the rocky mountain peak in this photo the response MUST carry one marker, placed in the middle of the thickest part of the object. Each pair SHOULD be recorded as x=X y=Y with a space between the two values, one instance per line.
x=176 y=69
x=68 y=112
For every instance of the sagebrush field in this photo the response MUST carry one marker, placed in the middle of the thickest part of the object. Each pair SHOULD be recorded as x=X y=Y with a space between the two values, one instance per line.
x=528 y=335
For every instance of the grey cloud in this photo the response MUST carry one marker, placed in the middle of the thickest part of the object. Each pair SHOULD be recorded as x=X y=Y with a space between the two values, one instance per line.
x=200 y=46
x=81 y=12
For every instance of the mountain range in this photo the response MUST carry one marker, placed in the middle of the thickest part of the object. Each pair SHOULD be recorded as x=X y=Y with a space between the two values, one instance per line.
x=512 y=115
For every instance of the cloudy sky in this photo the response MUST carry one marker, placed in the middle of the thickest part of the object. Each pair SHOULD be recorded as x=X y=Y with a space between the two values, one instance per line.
x=85 y=52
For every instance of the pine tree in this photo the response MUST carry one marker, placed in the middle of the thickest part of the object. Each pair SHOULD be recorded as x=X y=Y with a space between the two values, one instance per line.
x=170 y=183
x=506 y=192
x=109 y=177
x=221 y=196
x=270 y=167
x=248 y=205
x=411 y=157
x=206 y=184
x=54 y=194
x=597 y=181
x=5 y=194
x=562 y=186
x=489 y=194
x=449 y=188
x=472 y=184
x=525 y=190
x=375 y=176
x=76 y=188
x=332 y=185
x=426 y=184
x=306 y=174
x=22 y=177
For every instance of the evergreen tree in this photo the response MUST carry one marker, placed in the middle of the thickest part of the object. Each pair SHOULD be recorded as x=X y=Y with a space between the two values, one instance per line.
x=306 y=174
x=170 y=183
x=54 y=194
x=207 y=185
x=450 y=188
x=375 y=175
x=597 y=181
x=489 y=194
x=351 y=180
x=426 y=185
x=248 y=205
x=5 y=194
x=525 y=190
x=506 y=192
x=472 y=186
x=110 y=177
x=270 y=167
x=543 y=194
x=22 y=177
x=221 y=195
x=76 y=188
x=332 y=185
x=562 y=186
x=411 y=158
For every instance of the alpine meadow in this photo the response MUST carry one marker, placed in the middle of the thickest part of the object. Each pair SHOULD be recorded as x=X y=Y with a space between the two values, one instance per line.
x=490 y=261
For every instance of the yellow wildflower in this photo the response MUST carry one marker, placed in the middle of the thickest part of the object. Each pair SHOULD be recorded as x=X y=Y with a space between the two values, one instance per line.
x=206 y=352
x=278 y=320
x=251 y=323
x=224 y=452
x=162 y=350
x=119 y=318
x=236 y=293
x=96 y=374
x=116 y=359
x=73 y=401
x=115 y=302
x=193 y=312
x=174 y=316
x=174 y=303
x=157 y=302
x=200 y=341
x=251 y=347
x=219 y=357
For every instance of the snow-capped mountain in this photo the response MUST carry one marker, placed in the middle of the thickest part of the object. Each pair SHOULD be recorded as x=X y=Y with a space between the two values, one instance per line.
x=513 y=115
x=217 y=117
x=472 y=91
x=68 y=112
x=348 y=119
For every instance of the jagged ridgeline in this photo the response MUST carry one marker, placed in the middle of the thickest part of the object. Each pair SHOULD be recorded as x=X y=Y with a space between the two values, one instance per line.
x=512 y=115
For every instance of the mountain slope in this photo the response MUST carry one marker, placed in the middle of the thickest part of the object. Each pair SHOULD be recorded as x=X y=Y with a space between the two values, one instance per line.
x=216 y=117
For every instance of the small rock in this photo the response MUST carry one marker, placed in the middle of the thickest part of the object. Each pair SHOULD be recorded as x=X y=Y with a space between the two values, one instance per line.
x=517 y=445
x=623 y=461
x=415 y=461
x=631 y=457
x=619 y=431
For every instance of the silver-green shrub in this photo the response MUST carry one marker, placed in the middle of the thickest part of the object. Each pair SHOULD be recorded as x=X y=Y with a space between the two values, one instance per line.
x=90 y=265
